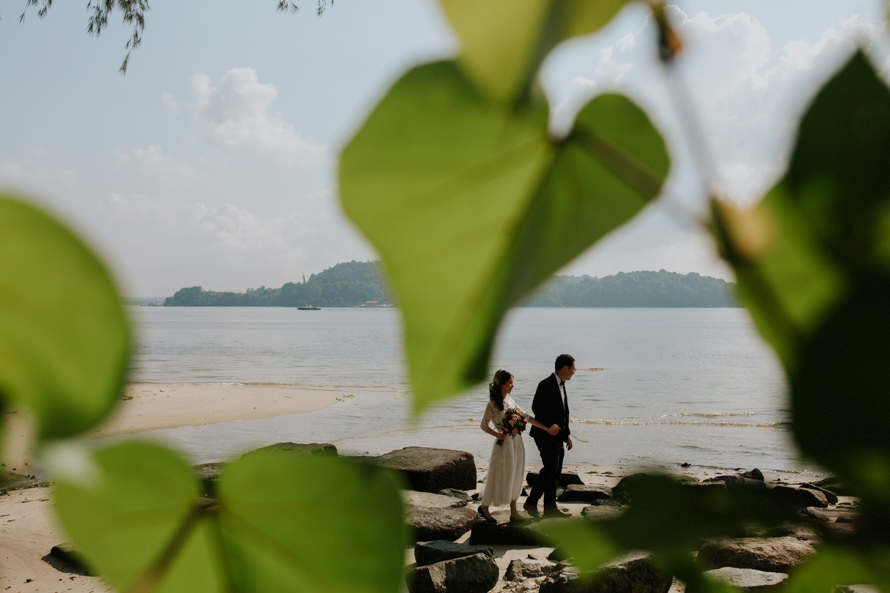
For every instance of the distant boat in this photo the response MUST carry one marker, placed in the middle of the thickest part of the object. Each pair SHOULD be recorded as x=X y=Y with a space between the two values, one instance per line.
x=309 y=308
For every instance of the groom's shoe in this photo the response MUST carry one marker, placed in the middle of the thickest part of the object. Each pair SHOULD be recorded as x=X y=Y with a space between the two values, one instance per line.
x=532 y=510
x=555 y=512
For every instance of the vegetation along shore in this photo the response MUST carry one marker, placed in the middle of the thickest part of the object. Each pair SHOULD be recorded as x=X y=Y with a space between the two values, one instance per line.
x=356 y=284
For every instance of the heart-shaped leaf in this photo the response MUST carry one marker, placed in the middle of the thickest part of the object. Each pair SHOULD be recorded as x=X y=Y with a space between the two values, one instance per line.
x=504 y=42
x=64 y=337
x=472 y=205
x=281 y=521
x=813 y=266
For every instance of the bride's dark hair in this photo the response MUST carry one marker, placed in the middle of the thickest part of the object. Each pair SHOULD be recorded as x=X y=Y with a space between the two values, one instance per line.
x=494 y=388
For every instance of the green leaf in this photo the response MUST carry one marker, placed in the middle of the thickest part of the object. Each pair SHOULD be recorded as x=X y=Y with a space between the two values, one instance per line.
x=282 y=521
x=833 y=567
x=64 y=337
x=504 y=42
x=472 y=205
x=126 y=511
x=812 y=265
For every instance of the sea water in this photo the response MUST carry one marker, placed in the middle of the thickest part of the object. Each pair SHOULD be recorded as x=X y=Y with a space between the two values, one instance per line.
x=654 y=387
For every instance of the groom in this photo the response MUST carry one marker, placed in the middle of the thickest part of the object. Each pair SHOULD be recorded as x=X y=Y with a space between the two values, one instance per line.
x=550 y=406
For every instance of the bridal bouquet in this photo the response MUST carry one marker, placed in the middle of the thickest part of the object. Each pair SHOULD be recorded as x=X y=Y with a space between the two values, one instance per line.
x=511 y=424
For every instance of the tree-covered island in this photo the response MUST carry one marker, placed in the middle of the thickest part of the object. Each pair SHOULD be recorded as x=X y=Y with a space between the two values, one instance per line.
x=356 y=284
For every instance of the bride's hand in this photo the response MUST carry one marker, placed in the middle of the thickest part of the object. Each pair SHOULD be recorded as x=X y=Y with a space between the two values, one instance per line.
x=553 y=430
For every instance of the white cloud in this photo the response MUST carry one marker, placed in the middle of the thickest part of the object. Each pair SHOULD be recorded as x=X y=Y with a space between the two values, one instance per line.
x=166 y=170
x=237 y=116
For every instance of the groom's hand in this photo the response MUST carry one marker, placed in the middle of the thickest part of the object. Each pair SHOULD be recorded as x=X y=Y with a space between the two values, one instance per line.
x=569 y=444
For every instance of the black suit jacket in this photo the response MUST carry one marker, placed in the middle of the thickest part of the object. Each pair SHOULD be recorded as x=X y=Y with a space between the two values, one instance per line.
x=548 y=409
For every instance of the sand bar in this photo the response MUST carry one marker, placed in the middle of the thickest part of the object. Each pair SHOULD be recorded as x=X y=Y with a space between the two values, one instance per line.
x=152 y=406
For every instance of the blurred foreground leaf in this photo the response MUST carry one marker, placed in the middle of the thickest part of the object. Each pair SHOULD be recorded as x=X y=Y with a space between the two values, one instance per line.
x=471 y=206
x=696 y=512
x=64 y=338
x=833 y=569
x=280 y=522
x=504 y=42
x=813 y=267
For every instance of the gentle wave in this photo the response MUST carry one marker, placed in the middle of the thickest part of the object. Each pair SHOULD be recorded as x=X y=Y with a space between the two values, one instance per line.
x=673 y=422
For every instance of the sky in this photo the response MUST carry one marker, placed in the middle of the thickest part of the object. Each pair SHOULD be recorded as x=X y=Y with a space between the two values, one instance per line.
x=213 y=161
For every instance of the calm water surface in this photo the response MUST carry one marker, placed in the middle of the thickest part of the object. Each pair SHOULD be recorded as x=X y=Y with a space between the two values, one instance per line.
x=654 y=387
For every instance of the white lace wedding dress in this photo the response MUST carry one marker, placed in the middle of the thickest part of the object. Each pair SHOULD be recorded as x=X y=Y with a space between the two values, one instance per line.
x=506 y=470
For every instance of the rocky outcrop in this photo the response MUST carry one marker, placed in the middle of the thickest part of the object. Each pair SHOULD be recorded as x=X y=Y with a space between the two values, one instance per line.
x=630 y=574
x=748 y=579
x=440 y=550
x=777 y=554
x=312 y=448
x=587 y=493
x=522 y=570
x=799 y=497
x=430 y=470
x=469 y=574
x=430 y=523
x=504 y=534
x=416 y=499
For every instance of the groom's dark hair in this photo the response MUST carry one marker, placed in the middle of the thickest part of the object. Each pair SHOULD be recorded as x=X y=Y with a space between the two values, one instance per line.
x=564 y=360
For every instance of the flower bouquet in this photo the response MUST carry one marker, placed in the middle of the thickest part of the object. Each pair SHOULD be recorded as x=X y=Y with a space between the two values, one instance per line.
x=511 y=424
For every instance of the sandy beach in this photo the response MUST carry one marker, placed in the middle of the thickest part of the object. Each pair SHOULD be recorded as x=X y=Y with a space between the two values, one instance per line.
x=27 y=527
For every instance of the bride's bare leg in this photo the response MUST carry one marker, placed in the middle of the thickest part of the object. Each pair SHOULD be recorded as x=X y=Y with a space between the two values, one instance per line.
x=513 y=510
x=484 y=510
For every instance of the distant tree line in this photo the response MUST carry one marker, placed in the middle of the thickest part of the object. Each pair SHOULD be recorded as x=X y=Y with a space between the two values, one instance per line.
x=636 y=289
x=349 y=284
x=353 y=284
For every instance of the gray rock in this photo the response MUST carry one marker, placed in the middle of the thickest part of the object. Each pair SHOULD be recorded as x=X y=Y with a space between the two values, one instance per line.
x=779 y=554
x=438 y=551
x=831 y=496
x=738 y=482
x=436 y=523
x=565 y=479
x=470 y=574
x=754 y=474
x=748 y=579
x=519 y=570
x=799 y=497
x=64 y=558
x=455 y=493
x=503 y=534
x=430 y=470
x=601 y=512
x=585 y=493
x=630 y=574
x=416 y=499
x=312 y=448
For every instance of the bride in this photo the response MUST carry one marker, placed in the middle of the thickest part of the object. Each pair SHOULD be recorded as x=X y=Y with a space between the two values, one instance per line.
x=506 y=470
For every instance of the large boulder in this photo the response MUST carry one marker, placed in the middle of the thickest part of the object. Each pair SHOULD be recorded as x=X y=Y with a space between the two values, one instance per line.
x=469 y=574
x=521 y=570
x=799 y=497
x=311 y=448
x=585 y=493
x=440 y=550
x=504 y=534
x=430 y=470
x=739 y=482
x=748 y=579
x=778 y=554
x=415 y=499
x=430 y=523
x=635 y=573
